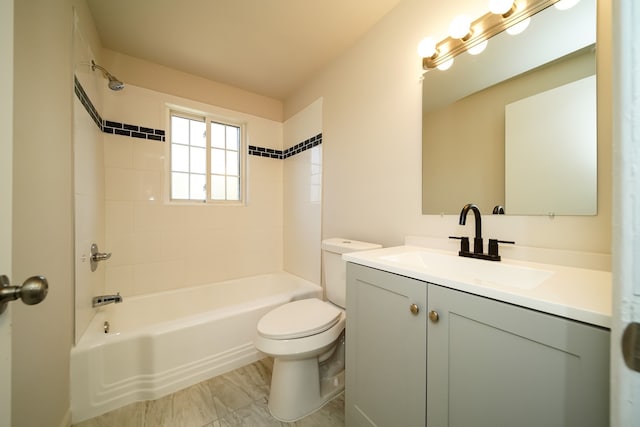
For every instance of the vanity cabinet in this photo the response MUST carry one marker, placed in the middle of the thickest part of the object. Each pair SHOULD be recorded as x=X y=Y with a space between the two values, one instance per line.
x=465 y=360
x=386 y=349
x=491 y=363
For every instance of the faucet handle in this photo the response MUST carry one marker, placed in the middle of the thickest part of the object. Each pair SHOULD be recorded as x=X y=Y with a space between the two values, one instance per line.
x=464 y=243
x=493 y=245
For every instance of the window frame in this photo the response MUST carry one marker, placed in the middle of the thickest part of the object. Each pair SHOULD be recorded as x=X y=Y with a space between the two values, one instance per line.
x=208 y=119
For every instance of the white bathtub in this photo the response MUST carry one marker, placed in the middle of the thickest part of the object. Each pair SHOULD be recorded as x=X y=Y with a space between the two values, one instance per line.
x=161 y=343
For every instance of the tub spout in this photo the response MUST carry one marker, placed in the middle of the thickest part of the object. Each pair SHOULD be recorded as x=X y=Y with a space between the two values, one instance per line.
x=101 y=300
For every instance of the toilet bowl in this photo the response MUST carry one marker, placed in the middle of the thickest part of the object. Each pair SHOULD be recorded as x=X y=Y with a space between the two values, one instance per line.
x=307 y=341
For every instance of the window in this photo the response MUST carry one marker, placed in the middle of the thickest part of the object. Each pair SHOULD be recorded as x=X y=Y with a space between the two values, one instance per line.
x=206 y=161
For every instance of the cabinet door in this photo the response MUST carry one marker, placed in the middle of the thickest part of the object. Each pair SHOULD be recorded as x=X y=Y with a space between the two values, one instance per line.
x=494 y=364
x=386 y=349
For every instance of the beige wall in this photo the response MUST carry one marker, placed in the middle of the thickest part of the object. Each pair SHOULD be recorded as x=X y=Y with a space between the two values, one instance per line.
x=43 y=210
x=88 y=181
x=372 y=139
x=148 y=75
x=302 y=187
x=471 y=158
x=158 y=245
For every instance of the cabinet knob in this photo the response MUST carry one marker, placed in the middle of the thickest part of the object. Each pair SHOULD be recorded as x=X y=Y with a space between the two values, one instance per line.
x=414 y=309
x=434 y=316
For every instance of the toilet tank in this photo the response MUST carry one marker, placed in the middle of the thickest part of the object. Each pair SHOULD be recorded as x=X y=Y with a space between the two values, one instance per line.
x=335 y=269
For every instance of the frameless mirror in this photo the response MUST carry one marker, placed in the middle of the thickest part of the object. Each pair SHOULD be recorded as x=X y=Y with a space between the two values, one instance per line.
x=516 y=125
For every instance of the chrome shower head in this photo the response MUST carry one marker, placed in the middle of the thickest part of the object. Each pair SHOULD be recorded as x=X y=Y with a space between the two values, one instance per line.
x=114 y=83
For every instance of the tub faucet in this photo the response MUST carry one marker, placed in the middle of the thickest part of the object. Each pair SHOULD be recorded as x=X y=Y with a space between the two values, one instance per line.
x=477 y=241
x=101 y=300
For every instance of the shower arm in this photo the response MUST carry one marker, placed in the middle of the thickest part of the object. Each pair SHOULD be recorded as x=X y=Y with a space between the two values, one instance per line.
x=107 y=74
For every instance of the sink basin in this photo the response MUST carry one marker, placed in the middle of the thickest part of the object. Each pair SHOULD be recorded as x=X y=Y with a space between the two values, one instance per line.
x=470 y=270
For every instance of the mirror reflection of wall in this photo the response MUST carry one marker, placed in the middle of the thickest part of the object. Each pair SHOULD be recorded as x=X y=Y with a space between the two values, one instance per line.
x=463 y=141
x=471 y=165
x=551 y=151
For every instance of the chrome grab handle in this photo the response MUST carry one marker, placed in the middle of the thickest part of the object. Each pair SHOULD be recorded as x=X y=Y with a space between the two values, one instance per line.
x=101 y=256
x=32 y=291
x=97 y=256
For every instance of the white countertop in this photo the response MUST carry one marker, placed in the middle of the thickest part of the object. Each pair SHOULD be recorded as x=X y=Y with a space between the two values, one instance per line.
x=575 y=293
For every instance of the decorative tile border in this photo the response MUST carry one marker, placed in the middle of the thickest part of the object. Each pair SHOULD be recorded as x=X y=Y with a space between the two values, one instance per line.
x=135 y=131
x=303 y=146
x=291 y=151
x=108 y=126
x=265 y=152
x=86 y=101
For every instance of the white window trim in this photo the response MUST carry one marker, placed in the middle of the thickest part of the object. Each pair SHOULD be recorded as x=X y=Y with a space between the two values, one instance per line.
x=209 y=117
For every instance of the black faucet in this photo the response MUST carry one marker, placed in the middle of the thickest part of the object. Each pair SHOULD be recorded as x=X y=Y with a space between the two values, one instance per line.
x=478 y=247
x=477 y=241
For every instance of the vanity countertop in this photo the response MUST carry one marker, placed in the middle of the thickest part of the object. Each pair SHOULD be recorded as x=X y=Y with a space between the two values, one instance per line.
x=575 y=293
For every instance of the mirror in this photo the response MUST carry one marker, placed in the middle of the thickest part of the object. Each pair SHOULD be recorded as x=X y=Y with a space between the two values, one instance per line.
x=468 y=149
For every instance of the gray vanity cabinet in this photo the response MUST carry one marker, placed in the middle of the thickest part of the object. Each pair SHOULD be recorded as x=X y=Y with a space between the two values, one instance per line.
x=494 y=364
x=463 y=360
x=386 y=349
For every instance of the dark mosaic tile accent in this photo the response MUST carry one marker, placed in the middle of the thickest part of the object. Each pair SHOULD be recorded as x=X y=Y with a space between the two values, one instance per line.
x=113 y=124
x=279 y=154
x=265 y=152
x=134 y=131
x=86 y=102
x=142 y=132
x=303 y=146
x=107 y=126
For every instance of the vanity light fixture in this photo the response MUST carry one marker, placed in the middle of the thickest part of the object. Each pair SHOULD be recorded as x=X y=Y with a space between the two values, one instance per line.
x=479 y=48
x=460 y=28
x=462 y=37
x=501 y=7
x=519 y=27
x=444 y=66
x=566 y=4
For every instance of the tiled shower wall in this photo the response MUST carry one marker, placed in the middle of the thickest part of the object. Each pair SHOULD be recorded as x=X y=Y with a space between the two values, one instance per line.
x=303 y=192
x=88 y=184
x=158 y=245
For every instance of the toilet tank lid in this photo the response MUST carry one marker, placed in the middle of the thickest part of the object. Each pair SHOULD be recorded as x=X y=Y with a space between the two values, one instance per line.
x=340 y=245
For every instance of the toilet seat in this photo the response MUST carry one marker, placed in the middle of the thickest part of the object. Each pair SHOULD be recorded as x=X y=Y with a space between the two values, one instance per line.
x=298 y=319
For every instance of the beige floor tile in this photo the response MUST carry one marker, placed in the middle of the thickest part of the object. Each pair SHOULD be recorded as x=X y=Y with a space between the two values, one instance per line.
x=127 y=416
x=238 y=398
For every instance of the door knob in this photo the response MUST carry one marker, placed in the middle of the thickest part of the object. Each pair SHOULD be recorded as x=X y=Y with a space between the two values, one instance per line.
x=434 y=316
x=32 y=291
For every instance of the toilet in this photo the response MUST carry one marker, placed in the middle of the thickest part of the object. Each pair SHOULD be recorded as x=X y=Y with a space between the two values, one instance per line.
x=306 y=340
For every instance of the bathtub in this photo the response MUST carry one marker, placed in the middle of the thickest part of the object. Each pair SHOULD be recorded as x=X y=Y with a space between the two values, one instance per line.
x=160 y=343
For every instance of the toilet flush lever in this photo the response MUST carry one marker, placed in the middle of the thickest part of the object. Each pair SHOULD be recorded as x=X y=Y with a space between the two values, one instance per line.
x=97 y=256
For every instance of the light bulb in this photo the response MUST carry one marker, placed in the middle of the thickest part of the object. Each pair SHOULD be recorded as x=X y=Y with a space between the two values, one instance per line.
x=445 y=65
x=427 y=48
x=479 y=48
x=519 y=27
x=460 y=27
x=565 y=4
x=500 y=7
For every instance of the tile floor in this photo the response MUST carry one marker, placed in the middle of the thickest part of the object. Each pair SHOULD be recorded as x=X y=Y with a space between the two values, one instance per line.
x=237 y=398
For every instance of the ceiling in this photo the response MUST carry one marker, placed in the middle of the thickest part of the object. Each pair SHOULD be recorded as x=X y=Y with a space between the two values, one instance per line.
x=269 y=47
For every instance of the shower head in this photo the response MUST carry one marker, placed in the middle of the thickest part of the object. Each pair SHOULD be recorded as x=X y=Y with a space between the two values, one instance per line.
x=114 y=83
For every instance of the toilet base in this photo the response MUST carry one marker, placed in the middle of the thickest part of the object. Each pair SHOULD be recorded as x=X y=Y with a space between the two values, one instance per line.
x=297 y=390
